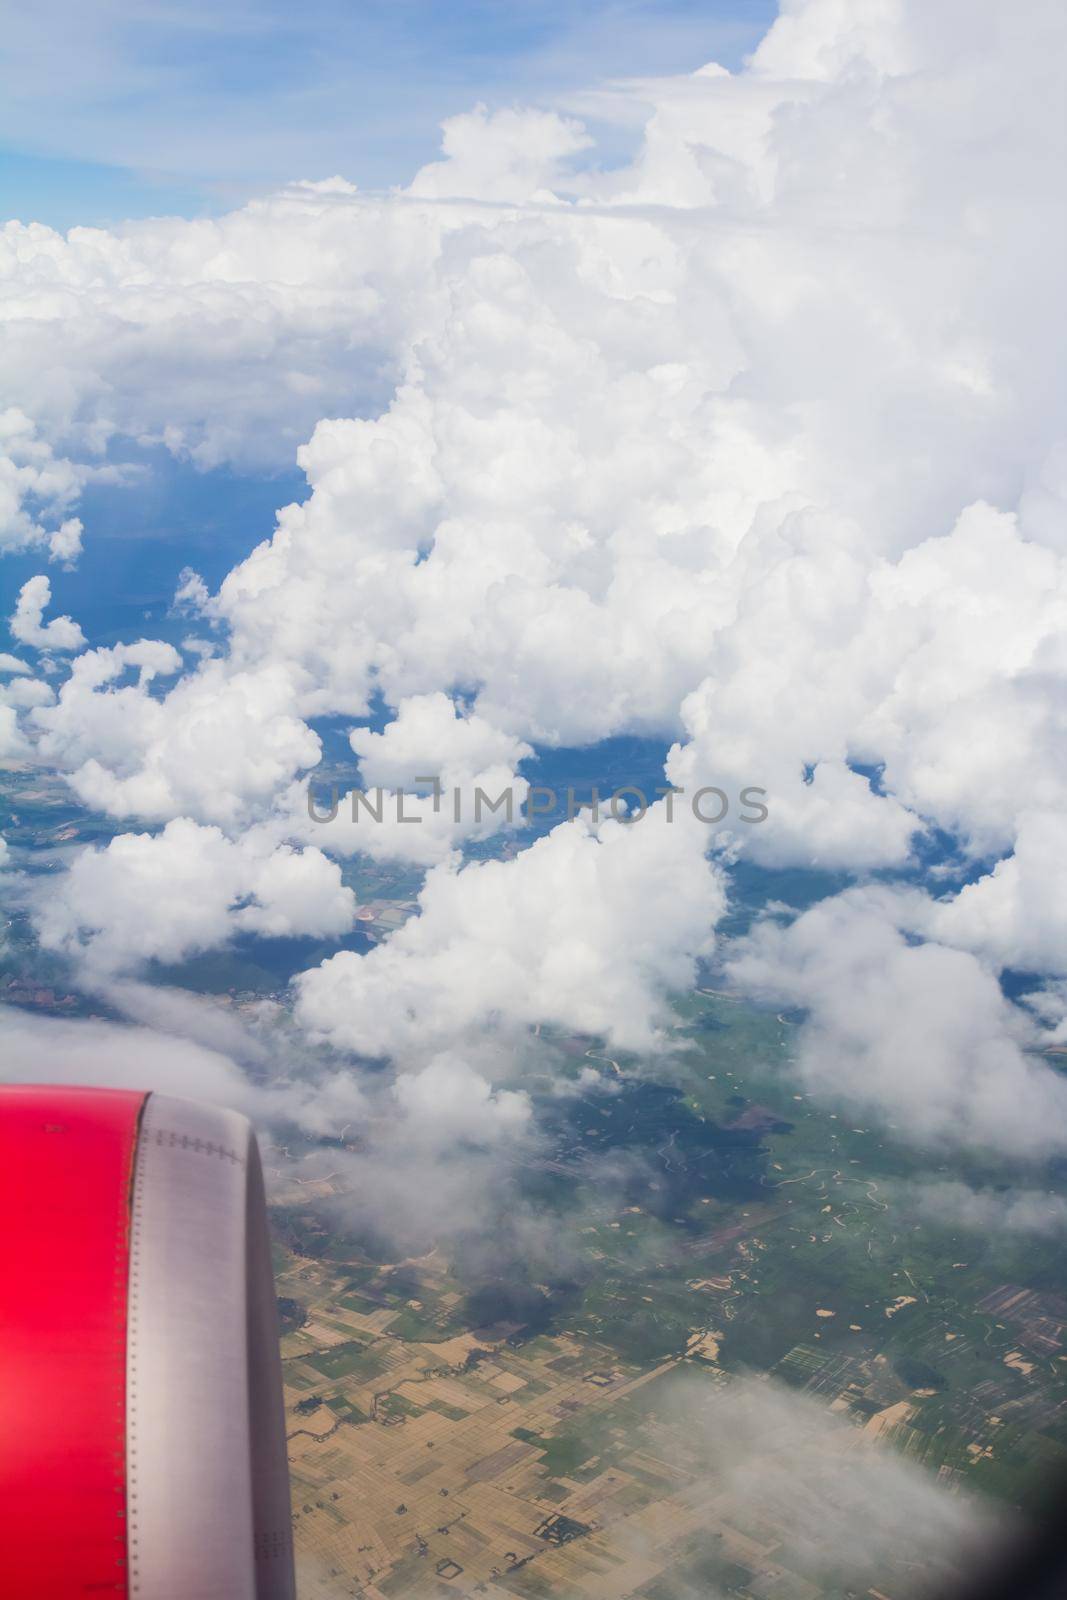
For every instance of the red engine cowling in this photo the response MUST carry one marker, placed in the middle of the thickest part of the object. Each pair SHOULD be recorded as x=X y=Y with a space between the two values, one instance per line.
x=142 y=1437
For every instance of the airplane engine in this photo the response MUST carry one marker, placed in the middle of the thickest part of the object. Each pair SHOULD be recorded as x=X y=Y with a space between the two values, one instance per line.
x=142 y=1437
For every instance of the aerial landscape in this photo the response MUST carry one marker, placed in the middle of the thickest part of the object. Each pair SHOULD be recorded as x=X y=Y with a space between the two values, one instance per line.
x=765 y=1249
x=694 y=1249
x=532 y=609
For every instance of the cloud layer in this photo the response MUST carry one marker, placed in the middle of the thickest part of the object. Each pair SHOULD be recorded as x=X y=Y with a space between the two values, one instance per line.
x=755 y=443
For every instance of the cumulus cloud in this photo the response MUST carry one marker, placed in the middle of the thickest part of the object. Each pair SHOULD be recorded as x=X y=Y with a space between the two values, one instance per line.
x=502 y=155
x=429 y=1160
x=188 y=888
x=36 y=485
x=639 y=472
x=1049 y=1003
x=12 y=743
x=98 y=327
x=918 y=1034
x=589 y=928
x=428 y=730
x=433 y=780
x=220 y=743
x=27 y=622
x=755 y=442
x=1014 y=916
x=940 y=669
x=22 y=692
x=450 y=1097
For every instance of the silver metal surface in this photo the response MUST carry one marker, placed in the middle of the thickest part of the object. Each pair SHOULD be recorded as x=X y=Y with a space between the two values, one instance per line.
x=207 y=1481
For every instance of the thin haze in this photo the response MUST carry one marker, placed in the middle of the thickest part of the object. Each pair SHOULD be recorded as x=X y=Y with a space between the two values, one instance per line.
x=123 y=109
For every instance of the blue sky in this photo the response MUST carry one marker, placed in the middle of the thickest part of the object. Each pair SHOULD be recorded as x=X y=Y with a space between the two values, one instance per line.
x=137 y=107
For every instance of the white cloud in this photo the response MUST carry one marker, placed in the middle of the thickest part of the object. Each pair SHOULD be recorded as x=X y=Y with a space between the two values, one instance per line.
x=988 y=1211
x=474 y=790
x=189 y=888
x=436 y=1158
x=454 y=1101
x=502 y=155
x=12 y=743
x=170 y=1060
x=941 y=668
x=916 y=1034
x=851 y=1516
x=428 y=735
x=27 y=621
x=1049 y=1004
x=755 y=442
x=640 y=472
x=1016 y=915
x=98 y=328
x=589 y=927
x=218 y=744
x=36 y=484
x=23 y=693
x=110 y=1056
